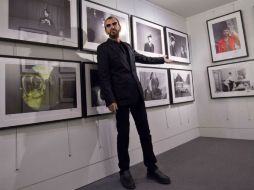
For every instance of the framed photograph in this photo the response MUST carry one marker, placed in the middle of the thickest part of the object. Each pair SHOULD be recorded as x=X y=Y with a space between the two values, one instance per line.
x=93 y=17
x=95 y=103
x=231 y=80
x=47 y=22
x=227 y=37
x=181 y=86
x=35 y=91
x=177 y=45
x=148 y=37
x=154 y=82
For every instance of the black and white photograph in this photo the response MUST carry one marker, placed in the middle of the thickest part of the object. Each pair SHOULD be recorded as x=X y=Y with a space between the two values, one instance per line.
x=35 y=91
x=227 y=37
x=148 y=37
x=93 y=17
x=177 y=46
x=95 y=103
x=154 y=82
x=181 y=86
x=231 y=80
x=51 y=22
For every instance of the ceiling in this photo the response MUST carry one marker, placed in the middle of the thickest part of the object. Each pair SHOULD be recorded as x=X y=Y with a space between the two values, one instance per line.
x=187 y=8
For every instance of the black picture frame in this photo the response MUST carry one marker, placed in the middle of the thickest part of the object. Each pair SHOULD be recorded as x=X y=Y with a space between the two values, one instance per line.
x=36 y=95
x=154 y=82
x=48 y=23
x=181 y=86
x=92 y=24
x=177 y=45
x=94 y=104
x=147 y=37
x=231 y=80
x=227 y=37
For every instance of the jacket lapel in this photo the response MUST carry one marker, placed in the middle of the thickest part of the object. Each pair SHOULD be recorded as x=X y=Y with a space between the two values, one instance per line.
x=131 y=58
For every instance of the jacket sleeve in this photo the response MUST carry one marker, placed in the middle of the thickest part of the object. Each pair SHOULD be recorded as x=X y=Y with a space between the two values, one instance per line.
x=104 y=75
x=148 y=60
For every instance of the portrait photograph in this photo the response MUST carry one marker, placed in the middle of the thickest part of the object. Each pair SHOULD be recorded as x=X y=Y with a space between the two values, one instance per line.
x=227 y=37
x=35 y=91
x=51 y=22
x=154 y=82
x=93 y=31
x=95 y=103
x=231 y=80
x=181 y=86
x=148 y=37
x=177 y=46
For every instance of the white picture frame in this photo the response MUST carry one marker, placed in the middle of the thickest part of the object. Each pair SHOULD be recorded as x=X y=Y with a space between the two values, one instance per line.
x=181 y=86
x=231 y=80
x=33 y=95
x=51 y=23
x=154 y=82
x=92 y=25
x=232 y=25
x=177 y=46
x=144 y=31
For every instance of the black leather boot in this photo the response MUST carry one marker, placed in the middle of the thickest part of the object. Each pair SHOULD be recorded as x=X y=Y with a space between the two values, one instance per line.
x=158 y=176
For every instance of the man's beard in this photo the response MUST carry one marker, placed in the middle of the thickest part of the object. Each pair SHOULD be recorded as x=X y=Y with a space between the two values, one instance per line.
x=114 y=35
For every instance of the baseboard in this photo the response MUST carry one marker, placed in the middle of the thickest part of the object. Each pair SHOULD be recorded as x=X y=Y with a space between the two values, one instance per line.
x=227 y=132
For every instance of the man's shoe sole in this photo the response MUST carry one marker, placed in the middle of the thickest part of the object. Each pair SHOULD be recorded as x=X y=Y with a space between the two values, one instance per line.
x=127 y=187
x=159 y=181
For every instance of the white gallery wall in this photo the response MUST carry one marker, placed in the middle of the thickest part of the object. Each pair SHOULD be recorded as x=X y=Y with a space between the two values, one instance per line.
x=69 y=154
x=226 y=117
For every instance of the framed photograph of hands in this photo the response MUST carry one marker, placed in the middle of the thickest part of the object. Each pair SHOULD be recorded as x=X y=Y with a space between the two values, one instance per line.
x=92 y=24
x=36 y=91
x=148 y=37
x=154 y=82
x=95 y=104
x=231 y=80
x=47 y=22
x=177 y=46
x=227 y=37
x=181 y=86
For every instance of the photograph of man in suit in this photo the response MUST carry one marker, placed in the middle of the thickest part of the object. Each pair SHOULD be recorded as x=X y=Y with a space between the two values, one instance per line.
x=149 y=46
x=123 y=94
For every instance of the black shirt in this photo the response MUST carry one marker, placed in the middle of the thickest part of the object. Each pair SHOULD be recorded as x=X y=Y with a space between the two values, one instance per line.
x=124 y=50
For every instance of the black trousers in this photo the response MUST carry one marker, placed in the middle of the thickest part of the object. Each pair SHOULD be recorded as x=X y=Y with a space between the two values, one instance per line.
x=138 y=112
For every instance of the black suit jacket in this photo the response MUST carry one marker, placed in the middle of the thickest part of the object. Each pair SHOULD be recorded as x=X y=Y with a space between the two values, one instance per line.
x=149 y=48
x=118 y=78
